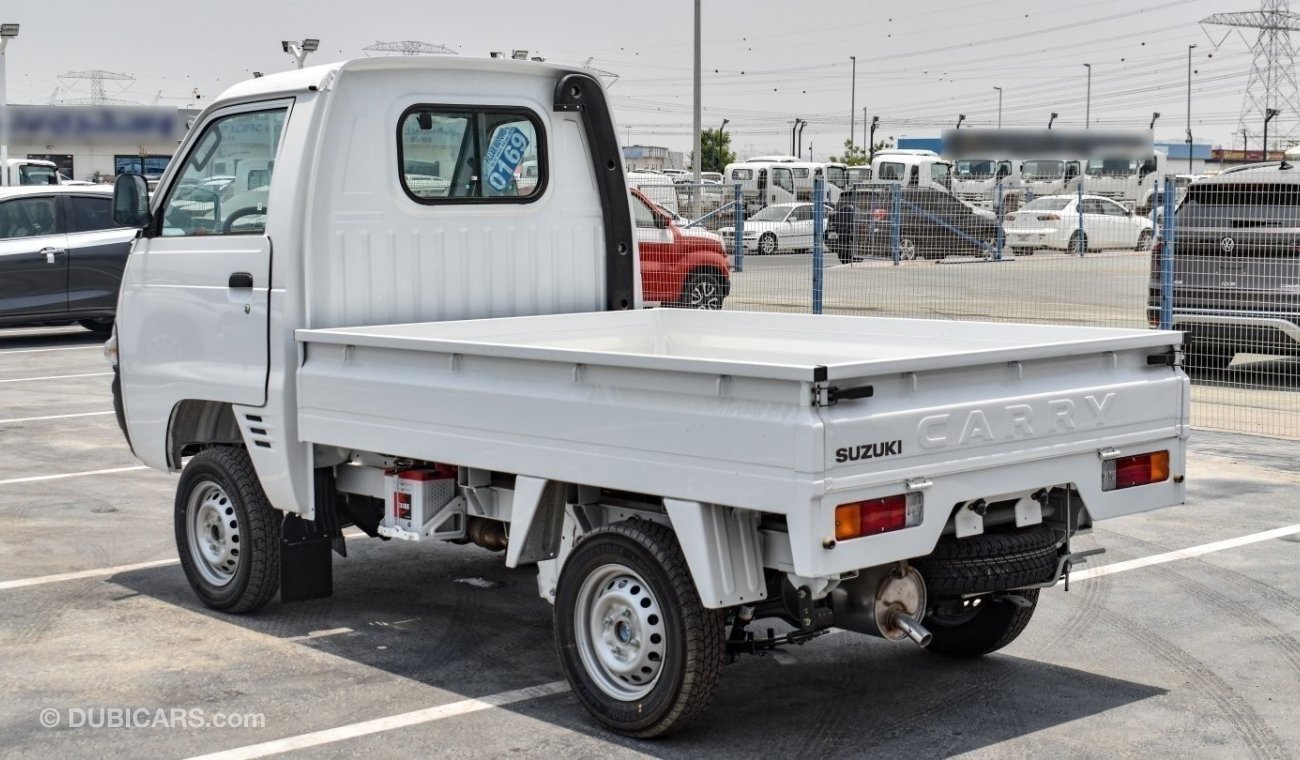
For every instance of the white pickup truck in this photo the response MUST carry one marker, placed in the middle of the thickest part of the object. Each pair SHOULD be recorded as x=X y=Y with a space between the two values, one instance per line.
x=338 y=344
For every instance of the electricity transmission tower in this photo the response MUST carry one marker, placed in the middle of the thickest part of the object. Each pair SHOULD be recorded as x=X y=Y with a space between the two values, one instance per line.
x=1272 y=82
x=97 y=78
x=410 y=47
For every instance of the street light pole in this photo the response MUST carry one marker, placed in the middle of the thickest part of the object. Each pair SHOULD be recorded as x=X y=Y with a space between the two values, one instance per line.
x=299 y=50
x=7 y=32
x=853 y=97
x=1087 y=110
x=1154 y=115
x=695 y=156
x=871 y=141
x=1052 y=119
x=999 y=89
x=1190 y=48
x=1269 y=113
x=960 y=118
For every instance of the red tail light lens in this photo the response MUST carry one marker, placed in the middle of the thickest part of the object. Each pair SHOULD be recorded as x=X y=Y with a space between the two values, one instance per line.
x=1010 y=217
x=868 y=518
x=879 y=214
x=1137 y=470
x=1049 y=218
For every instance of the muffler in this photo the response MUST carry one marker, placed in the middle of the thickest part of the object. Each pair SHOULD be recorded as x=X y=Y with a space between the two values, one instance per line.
x=884 y=601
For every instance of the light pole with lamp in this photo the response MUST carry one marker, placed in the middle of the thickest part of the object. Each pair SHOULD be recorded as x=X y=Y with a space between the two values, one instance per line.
x=1154 y=115
x=1052 y=119
x=1190 y=48
x=1269 y=113
x=999 y=89
x=853 y=96
x=299 y=50
x=960 y=118
x=871 y=141
x=7 y=32
x=1087 y=109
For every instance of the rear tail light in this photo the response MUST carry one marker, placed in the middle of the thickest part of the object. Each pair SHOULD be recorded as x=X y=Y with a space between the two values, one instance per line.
x=1010 y=217
x=1137 y=470
x=879 y=213
x=873 y=516
x=1157 y=247
x=1049 y=218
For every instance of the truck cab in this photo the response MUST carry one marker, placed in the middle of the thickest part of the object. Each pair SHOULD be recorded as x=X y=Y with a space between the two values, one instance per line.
x=912 y=168
x=1049 y=176
x=976 y=181
x=29 y=171
x=1125 y=179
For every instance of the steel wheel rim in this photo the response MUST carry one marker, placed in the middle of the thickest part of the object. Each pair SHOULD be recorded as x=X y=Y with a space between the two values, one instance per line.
x=619 y=632
x=1144 y=241
x=212 y=531
x=704 y=294
x=767 y=244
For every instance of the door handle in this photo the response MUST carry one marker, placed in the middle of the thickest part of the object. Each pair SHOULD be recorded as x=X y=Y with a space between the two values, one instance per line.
x=50 y=253
x=241 y=280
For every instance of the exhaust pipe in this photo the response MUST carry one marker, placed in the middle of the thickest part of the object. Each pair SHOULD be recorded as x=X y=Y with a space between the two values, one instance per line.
x=910 y=626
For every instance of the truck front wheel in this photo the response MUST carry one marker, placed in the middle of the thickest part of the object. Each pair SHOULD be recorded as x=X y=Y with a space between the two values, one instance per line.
x=641 y=652
x=227 y=532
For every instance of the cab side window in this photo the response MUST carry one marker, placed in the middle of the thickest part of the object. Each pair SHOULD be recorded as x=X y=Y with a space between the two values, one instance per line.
x=645 y=217
x=457 y=154
x=29 y=217
x=224 y=185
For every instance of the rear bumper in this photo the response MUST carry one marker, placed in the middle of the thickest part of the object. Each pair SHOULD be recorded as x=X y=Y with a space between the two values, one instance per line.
x=1239 y=332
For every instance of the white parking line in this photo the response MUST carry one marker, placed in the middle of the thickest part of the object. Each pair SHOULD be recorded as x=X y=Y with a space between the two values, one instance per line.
x=97 y=573
x=53 y=377
x=97 y=347
x=416 y=717
x=54 y=417
x=1195 y=551
x=62 y=476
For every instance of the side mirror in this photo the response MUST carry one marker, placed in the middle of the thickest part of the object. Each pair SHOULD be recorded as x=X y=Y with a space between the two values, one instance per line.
x=131 y=201
x=662 y=221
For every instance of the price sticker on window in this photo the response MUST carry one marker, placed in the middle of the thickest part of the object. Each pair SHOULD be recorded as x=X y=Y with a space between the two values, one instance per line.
x=504 y=156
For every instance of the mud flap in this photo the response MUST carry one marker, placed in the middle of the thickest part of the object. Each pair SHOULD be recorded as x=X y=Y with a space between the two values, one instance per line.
x=306 y=564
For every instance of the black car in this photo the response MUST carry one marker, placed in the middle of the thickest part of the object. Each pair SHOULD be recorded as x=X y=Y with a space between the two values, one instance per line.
x=61 y=256
x=1235 y=279
x=934 y=224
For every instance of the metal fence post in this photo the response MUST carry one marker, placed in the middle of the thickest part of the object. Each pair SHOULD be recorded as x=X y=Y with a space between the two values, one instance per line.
x=1083 y=236
x=1167 y=259
x=896 y=221
x=818 y=254
x=738 y=245
x=1002 y=233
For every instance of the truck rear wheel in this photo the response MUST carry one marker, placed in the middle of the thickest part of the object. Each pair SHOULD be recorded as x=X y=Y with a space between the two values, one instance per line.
x=227 y=532
x=640 y=650
x=978 y=626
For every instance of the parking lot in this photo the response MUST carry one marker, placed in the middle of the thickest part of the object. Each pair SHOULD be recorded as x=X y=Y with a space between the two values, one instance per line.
x=1179 y=641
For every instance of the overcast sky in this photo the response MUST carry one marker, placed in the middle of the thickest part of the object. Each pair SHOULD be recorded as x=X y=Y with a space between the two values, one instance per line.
x=765 y=61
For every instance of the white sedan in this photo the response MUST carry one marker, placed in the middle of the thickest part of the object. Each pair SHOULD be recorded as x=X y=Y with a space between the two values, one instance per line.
x=782 y=227
x=1055 y=221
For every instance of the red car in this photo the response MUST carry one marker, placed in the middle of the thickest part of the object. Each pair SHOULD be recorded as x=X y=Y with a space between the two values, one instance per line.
x=686 y=268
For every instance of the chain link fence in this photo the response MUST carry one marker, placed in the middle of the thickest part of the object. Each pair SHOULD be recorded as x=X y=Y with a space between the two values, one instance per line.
x=1218 y=257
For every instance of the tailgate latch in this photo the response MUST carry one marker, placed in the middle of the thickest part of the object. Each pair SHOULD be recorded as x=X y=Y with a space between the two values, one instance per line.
x=835 y=394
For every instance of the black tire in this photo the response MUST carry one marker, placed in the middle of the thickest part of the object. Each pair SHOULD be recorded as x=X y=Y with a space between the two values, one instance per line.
x=97 y=326
x=1144 y=241
x=989 y=562
x=975 y=631
x=767 y=244
x=844 y=256
x=1078 y=242
x=240 y=571
x=702 y=290
x=1022 y=251
x=691 y=647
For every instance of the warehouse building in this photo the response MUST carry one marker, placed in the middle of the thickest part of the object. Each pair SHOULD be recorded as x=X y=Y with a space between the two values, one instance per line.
x=97 y=142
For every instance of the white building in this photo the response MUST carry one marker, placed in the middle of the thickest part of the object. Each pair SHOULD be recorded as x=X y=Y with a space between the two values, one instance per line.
x=89 y=142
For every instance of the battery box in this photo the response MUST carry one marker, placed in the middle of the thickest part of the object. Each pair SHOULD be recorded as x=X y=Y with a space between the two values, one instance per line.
x=422 y=503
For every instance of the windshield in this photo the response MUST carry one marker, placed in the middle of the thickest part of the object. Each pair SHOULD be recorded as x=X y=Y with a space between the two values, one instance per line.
x=742 y=173
x=1238 y=206
x=859 y=174
x=941 y=174
x=1043 y=169
x=1047 y=204
x=838 y=176
x=976 y=168
x=771 y=214
x=35 y=174
x=1113 y=167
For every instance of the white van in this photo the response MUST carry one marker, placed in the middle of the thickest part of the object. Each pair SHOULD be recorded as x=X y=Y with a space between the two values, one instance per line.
x=657 y=187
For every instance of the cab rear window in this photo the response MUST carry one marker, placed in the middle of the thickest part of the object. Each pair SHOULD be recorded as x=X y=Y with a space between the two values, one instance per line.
x=471 y=154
